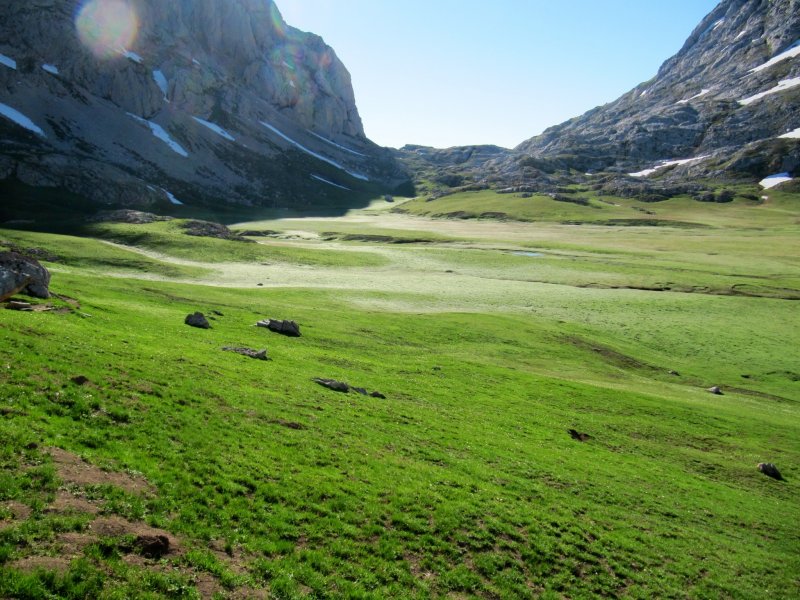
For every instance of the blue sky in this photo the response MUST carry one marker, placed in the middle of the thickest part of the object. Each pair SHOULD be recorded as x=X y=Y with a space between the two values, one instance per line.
x=456 y=72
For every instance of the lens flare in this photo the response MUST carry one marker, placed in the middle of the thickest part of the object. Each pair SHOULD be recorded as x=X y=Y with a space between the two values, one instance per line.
x=107 y=27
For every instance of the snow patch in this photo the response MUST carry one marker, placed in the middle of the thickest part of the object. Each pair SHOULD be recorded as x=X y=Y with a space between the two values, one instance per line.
x=312 y=153
x=717 y=24
x=14 y=115
x=712 y=27
x=790 y=52
x=132 y=56
x=288 y=66
x=52 y=69
x=783 y=85
x=161 y=134
x=773 y=180
x=8 y=61
x=323 y=180
x=702 y=93
x=172 y=198
x=667 y=163
x=791 y=135
x=215 y=128
x=332 y=143
x=161 y=82
x=740 y=36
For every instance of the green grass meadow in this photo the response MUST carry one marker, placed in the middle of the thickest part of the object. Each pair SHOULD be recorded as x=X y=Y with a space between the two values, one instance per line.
x=464 y=481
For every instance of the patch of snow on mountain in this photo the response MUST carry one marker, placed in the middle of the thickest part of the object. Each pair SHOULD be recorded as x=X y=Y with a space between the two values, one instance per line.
x=712 y=27
x=773 y=180
x=323 y=180
x=790 y=52
x=783 y=85
x=172 y=198
x=702 y=93
x=740 y=36
x=717 y=24
x=52 y=69
x=132 y=56
x=312 y=153
x=215 y=128
x=332 y=143
x=8 y=61
x=161 y=134
x=791 y=135
x=161 y=82
x=667 y=163
x=14 y=115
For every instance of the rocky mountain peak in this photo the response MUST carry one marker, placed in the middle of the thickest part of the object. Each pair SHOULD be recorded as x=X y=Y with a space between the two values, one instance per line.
x=196 y=101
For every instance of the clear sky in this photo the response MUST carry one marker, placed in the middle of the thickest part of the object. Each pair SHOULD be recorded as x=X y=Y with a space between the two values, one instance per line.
x=458 y=72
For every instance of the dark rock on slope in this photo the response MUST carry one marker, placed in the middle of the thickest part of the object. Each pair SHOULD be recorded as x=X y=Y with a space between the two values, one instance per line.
x=213 y=102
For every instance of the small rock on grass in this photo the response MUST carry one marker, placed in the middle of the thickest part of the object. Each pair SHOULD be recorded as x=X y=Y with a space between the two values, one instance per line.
x=715 y=390
x=579 y=436
x=197 y=319
x=770 y=470
x=80 y=380
x=332 y=384
x=257 y=354
x=17 y=305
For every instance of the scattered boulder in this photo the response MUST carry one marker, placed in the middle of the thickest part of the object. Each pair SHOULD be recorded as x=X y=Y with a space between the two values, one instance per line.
x=80 y=380
x=22 y=274
x=715 y=390
x=579 y=436
x=197 y=319
x=152 y=546
x=675 y=373
x=288 y=328
x=340 y=386
x=770 y=470
x=258 y=354
x=332 y=384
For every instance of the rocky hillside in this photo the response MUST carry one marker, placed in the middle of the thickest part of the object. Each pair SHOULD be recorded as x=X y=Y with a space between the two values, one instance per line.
x=726 y=106
x=203 y=102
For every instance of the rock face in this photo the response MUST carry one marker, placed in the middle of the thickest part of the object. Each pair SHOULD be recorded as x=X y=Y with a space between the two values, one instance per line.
x=720 y=108
x=210 y=102
x=704 y=102
x=21 y=274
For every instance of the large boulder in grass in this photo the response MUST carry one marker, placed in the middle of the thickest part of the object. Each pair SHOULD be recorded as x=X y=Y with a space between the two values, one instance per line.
x=289 y=328
x=22 y=275
x=198 y=320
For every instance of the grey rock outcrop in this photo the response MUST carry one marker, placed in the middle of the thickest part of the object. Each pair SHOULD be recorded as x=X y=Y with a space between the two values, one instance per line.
x=215 y=101
x=249 y=352
x=22 y=274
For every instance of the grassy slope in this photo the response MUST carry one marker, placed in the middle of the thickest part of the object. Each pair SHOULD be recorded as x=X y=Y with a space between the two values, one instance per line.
x=464 y=481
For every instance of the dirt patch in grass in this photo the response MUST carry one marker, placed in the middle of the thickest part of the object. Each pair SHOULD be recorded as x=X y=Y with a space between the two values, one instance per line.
x=68 y=503
x=19 y=512
x=71 y=468
x=114 y=526
x=29 y=564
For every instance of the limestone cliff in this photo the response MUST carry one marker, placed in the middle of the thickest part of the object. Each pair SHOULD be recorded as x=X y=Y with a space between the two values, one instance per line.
x=193 y=101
